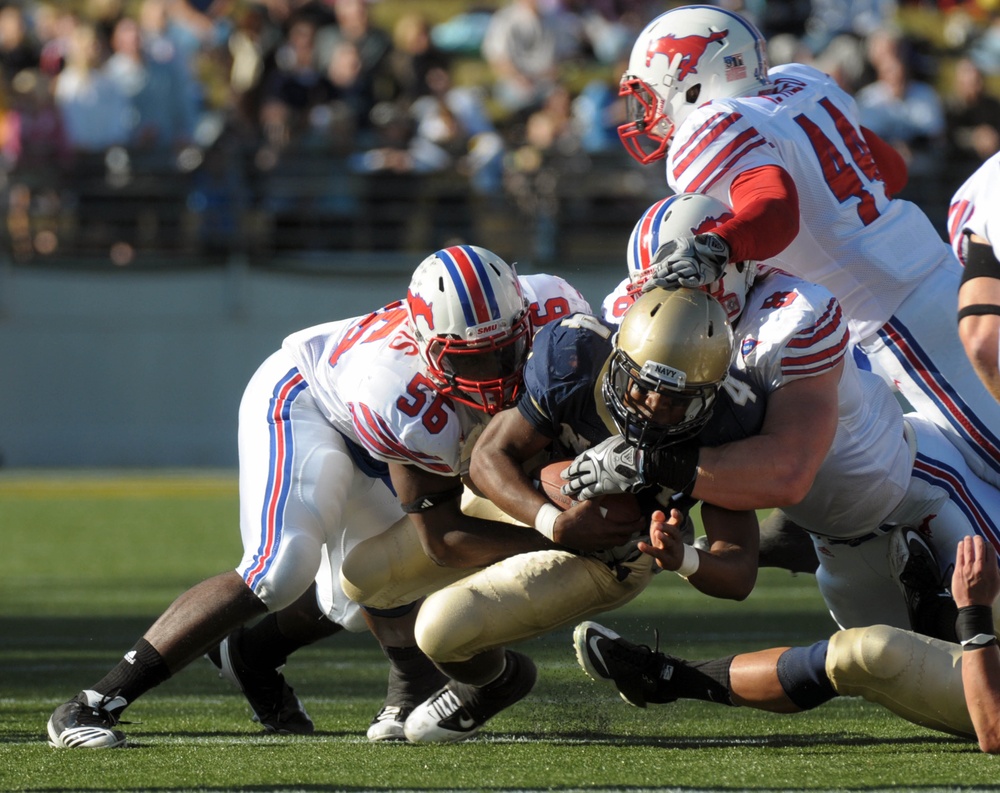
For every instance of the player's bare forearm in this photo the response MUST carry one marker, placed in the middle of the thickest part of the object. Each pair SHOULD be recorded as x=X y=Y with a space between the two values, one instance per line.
x=729 y=568
x=976 y=583
x=448 y=536
x=777 y=467
x=496 y=468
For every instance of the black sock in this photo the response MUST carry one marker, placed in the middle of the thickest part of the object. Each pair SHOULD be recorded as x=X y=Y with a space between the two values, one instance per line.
x=705 y=680
x=264 y=646
x=412 y=672
x=141 y=669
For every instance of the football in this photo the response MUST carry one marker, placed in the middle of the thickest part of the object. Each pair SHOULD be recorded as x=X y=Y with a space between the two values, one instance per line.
x=617 y=507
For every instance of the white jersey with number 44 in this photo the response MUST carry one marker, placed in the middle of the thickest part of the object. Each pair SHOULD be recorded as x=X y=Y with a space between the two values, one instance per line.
x=808 y=127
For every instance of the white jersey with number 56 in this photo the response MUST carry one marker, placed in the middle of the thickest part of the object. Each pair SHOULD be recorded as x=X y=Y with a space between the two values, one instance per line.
x=368 y=378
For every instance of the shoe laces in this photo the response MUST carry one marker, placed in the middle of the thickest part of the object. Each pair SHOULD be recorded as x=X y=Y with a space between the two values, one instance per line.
x=445 y=704
x=389 y=713
x=98 y=715
x=640 y=656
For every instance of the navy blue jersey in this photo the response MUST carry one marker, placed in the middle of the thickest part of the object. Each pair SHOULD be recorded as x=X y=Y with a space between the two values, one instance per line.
x=560 y=378
x=562 y=390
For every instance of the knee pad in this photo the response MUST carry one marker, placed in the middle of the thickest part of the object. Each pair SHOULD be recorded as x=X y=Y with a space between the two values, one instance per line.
x=802 y=674
x=449 y=625
x=914 y=676
x=291 y=572
x=859 y=655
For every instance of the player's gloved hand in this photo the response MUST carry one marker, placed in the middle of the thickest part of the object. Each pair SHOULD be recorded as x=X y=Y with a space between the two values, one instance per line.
x=689 y=262
x=612 y=466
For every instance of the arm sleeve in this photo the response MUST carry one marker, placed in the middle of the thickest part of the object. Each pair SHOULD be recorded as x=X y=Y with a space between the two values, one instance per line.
x=890 y=163
x=766 y=214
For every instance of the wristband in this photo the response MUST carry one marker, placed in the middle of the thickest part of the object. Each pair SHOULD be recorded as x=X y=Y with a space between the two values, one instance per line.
x=974 y=627
x=690 y=562
x=545 y=520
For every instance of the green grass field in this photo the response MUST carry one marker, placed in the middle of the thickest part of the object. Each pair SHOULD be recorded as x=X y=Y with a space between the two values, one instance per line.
x=91 y=559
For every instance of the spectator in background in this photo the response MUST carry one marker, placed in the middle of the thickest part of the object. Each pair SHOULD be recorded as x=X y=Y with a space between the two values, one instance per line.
x=295 y=87
x=353 y=94
x=37 y=156
x=829 y=19
x=609 y=26
x=904 y=111
x=53 y=28
x=18 y=49
x=159 y=117
x=252 y=46
x=36 y=139
x=169 y=42
x=92 y=107
x=414 y=56
x=524 y=46
x=372 y=43
x=449 y=128
x=972 y=120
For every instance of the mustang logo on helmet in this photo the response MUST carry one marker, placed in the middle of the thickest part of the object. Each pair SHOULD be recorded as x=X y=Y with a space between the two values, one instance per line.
x=690 y=48
x=420 y=308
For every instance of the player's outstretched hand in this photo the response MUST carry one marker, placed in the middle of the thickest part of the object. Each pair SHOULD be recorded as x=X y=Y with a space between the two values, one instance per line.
x=688 y=262
x=612 y=466
x=665 y=544
x=976 y=580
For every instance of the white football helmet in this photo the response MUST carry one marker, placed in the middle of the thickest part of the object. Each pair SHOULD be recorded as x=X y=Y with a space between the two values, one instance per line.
x=678 y=343
x=472 y=326
x=685 y=215
x=682 y=59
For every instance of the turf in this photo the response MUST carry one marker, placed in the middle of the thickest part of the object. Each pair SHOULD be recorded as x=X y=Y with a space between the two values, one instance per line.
x=90 y=560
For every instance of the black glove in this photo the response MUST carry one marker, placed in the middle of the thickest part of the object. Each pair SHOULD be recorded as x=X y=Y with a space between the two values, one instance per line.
x=674 y=466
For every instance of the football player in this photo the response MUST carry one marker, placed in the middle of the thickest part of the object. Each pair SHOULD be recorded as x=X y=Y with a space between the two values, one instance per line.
x=952 y=687
x=974 y=230
x=351 y=427
x=835 y=451
x=659 y=379
x=811 y=192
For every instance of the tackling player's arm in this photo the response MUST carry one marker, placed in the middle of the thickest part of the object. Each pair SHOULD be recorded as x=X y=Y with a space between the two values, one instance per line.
x=728 y=569
x=509 y=441
x=777 y=467
x=975 y=586
x=448 y=536
x=978 y=299
x=765 y=218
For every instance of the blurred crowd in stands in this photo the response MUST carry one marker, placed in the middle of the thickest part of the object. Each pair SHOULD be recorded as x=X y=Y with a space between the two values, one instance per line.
x=255 y=125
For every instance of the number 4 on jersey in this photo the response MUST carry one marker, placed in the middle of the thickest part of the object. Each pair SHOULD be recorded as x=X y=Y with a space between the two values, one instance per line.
x=841 y=177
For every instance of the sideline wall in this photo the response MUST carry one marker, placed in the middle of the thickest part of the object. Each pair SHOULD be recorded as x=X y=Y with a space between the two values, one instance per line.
x=146 y=368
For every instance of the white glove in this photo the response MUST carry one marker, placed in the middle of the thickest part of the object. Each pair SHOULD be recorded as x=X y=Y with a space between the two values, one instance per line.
x=688 y=261
x=609 y=467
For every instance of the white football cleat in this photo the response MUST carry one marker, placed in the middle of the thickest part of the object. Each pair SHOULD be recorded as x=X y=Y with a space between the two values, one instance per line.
x=85 y=722
x=388 y=724
x=457 y=711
